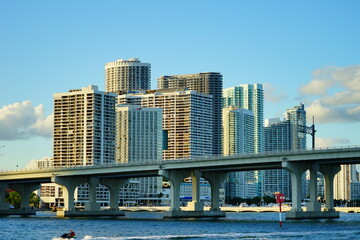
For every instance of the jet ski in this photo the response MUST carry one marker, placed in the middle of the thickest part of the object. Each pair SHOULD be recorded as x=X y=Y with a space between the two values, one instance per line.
x=70 y=235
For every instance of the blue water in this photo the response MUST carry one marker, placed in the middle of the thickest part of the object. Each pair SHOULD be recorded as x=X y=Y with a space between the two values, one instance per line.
x=252 y=226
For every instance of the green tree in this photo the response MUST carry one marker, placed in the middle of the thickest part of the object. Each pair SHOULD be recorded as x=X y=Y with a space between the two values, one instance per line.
x=34 y=200
x=14 y=199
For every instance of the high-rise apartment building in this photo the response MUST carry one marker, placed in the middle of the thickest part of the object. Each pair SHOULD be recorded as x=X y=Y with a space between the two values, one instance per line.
x=139 y=139
x=84 y=127
x=187 y=118
x=123 y=76
x=342 y=182
x=238 y=138
x=282 y=136
x=206 y=82
x=251 y=97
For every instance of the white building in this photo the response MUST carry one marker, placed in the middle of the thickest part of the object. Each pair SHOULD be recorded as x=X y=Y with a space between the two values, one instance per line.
x=139 y=139
x=238 y=138
x=342 y=183
x=123 y=76
x=250 y=97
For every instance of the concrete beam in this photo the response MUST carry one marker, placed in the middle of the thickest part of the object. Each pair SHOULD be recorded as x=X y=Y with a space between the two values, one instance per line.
x=329 y=172
x=3 y=204
x=114 y=184
x=215 y=179
x=175 y=177
x=296 y=171
x=69 y=185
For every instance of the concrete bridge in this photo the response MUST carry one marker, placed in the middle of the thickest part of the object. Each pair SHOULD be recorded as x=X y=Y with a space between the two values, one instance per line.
x=212 y=168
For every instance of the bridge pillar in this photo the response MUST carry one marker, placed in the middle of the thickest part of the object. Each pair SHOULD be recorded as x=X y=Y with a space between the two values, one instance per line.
x=3 y=204
x=195 y=204
x=114 y=184
x=215 y=180
x=175 y=177
x=69 y=185
x=92 y=205
x=296 y=171
x=329 y=172
x=313 y=205
x=25 y=190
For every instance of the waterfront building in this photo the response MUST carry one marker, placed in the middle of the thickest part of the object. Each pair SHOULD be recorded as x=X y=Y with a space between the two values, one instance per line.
x=342 y=183
x=84 y=131
x=139 y=139
x=84 y=127
x=205 y=82
x=123 y=76
x=355 y=190
x=250 y=97
x=187 y=119
x=238 y=138
x=283 y=136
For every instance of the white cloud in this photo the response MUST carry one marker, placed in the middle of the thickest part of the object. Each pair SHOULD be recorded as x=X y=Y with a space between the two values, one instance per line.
x=271 y=95
x=333 y=95
x=330 y=142
x=23 y=120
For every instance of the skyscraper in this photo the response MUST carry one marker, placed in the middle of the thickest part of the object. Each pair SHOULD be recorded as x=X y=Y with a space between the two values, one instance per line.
x=84 y=127
x=342 y=182
x=207 y=82
x=282 y=136
x=139 y=139
x=251 y=97
x=187 y=117
x=238 y=138
x=123 y=76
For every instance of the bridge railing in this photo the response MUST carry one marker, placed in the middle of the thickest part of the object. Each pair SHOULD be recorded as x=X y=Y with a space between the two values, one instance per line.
x=193 y=159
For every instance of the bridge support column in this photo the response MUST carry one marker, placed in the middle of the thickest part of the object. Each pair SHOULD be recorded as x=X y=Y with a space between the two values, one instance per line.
x=114 y=184
x=69 y=185
x=3 y=204
x=215 y=180
x=92 y=205
x=175 y=177
x=25 y=191
x=195 y=204
x=329 y=172
x=313 y=205
x=296 y=171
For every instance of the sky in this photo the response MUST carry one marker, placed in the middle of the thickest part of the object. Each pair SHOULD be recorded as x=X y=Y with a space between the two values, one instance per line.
x=301 y=51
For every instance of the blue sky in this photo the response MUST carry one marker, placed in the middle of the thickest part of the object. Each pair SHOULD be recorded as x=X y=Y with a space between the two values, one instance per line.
x=300 y=50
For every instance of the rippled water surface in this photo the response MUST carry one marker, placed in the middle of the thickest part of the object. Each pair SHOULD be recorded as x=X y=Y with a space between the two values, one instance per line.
x=251 y=226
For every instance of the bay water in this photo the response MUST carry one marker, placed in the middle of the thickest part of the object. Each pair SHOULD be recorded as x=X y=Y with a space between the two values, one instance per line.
x=142 y=225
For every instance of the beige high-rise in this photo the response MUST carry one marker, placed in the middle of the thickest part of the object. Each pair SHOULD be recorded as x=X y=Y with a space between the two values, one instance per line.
x=123 y=76
x=84 y=127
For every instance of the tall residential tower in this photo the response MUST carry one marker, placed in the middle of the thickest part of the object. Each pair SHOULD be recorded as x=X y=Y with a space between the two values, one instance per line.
x=123 y=76
x=206 y=82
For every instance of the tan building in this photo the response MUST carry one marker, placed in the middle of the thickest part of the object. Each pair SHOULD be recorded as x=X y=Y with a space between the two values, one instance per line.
x=187 y=118
x=206 y=82
x=84 y=127
x=342 y=182
x=123 y=76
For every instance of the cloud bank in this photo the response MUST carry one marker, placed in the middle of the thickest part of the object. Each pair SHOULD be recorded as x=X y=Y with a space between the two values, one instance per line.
x=22 y=120
x=271 y=95
x=329 y=142
x=333 y=95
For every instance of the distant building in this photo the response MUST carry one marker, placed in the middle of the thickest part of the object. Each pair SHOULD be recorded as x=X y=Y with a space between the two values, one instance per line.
x=84 y=127
x=343 y=183
x=187 y=118
x=139 y=139
x=123 y=76
x=283 y=136
x=250 y=97
x=206 y=82
x=238 y=138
